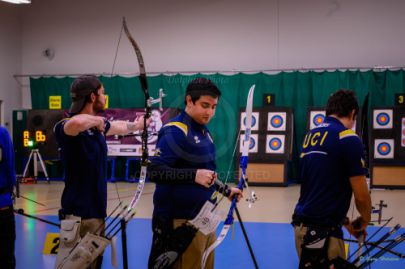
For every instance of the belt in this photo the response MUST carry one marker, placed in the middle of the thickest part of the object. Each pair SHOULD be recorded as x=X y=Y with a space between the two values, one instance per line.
x=330 y=229
x=298 y=222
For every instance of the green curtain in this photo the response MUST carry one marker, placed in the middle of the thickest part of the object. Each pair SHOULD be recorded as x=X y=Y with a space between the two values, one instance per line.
x=298 y=90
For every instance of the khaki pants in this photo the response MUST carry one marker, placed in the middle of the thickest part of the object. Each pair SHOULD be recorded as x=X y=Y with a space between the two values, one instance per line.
x=336 y=246
x=191 y=258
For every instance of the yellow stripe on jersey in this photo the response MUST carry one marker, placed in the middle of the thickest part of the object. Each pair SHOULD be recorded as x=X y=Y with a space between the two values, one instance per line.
x=347 y=133
x=179 y=125
x=312 y=152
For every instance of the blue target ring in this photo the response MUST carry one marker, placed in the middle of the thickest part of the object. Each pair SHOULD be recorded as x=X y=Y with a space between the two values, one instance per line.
x=275 y=143
x=383 y=118
x=253 y=121
x=252 y=143
x=384 y=149
x=318 y=119
x=276 y=121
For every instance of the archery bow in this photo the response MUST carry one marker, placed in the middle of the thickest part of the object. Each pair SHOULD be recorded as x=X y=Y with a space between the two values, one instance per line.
x=364 y=139
x=149 y=101
x=363 y=134
x=364 y=130
x=243 y=162
x=128 y=213
x=148 y=109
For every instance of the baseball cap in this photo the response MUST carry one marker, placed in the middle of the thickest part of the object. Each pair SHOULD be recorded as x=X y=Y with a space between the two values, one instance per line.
x=80 y=88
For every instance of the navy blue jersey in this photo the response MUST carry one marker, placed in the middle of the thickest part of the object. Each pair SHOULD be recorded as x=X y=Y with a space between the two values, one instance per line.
x=331 y=154
x=183 y=147
x=85 y=160
x=7 y=171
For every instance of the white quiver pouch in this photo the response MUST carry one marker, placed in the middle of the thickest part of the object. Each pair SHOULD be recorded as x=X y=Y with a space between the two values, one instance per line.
x=88 y=249
x=69 y=237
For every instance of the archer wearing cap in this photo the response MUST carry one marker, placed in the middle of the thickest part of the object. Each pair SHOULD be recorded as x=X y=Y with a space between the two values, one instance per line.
x=81 y=90
x=83 y=149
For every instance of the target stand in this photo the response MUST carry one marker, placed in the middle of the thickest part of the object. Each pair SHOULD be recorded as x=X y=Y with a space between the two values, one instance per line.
x=388 y=148
x=35 y=156
x=270 y=147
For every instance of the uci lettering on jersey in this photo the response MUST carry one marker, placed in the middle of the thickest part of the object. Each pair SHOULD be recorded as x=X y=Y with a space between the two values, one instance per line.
x=315 y=138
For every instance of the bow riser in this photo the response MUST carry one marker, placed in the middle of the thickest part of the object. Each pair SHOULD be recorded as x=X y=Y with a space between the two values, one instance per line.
x=144 y=84
x=243 y=165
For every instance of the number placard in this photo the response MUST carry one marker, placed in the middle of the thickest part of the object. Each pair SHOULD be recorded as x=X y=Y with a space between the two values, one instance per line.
x=55 y=102
x=51 y=244
x=400 y=99
x=269 y=99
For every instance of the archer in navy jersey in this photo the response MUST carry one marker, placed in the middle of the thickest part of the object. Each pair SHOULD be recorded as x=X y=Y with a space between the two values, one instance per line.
x=332 y=168
x=184 y=172
x=83 y=149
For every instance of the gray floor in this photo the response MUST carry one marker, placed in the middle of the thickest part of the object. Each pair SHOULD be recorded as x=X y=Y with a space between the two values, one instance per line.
x=274 y=204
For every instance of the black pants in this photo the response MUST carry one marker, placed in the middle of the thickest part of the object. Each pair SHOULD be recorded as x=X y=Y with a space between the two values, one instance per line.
x=161 y=228
x=7 y=239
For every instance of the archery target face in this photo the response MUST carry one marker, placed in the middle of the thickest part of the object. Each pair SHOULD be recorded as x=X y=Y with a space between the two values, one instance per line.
x=253 y=148
x=276 y=121
x=382 y=119
x=255 y=121
x=316 y=118
x=384 y=148
x=403 y=133
x=275 y=144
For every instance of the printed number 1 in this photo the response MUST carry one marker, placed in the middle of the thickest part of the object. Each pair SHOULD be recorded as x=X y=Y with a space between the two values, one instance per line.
x=268 y=99
x=401 y=99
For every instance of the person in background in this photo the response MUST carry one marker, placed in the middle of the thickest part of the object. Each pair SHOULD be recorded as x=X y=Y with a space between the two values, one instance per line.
x=332 y=168
x=7 y=219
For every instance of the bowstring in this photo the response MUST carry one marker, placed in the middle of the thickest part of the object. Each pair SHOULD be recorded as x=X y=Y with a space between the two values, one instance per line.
x=229 y=168
x=111 y=75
